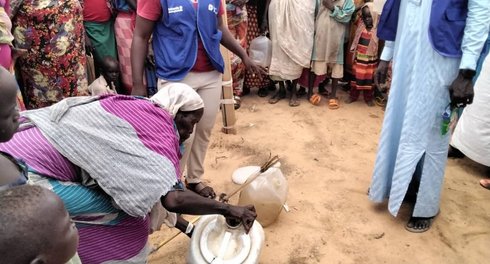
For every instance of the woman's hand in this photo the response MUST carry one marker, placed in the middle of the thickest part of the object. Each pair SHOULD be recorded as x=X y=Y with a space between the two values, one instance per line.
x=245 y=214
x=253 y=67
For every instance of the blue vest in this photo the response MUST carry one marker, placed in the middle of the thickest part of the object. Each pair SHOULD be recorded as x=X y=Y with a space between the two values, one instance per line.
x=175 y=37
x=446 y=28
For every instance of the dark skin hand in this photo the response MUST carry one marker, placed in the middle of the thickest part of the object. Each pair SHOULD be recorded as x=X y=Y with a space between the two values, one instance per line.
x=187 y=202
x=381 y=72
x=328 y=4
x=229 y=42
x=461 y=91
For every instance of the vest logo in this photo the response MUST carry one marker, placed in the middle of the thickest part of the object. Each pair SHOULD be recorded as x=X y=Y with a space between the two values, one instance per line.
x=213 y=9
x=177 y=9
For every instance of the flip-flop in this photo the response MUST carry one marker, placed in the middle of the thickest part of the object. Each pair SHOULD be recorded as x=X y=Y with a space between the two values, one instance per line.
x=416 y=230
x=380 y=101
x=333 y=103
x=485 y=183
x=276 y=98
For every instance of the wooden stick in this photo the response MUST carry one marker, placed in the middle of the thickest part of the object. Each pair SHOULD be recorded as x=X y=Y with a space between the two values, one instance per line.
x=227 y=105
x=250 y=179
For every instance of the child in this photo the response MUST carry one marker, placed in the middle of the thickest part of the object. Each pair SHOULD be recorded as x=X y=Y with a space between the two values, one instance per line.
x=9 y=122
x=365 y=47
x=106 y=83
x=36 y=227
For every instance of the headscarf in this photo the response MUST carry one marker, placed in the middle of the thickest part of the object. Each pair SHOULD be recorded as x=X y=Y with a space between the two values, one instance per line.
x=373 y=43
x=177 y=97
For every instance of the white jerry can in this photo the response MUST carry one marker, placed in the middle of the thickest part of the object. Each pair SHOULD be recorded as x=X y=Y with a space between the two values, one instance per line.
x=268 y=193
x=261 y=51
x=215 y=241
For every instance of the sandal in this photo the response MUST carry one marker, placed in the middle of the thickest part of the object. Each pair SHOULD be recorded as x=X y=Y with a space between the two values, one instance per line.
x=202 y=189
x=277 y=97
x=237 y=102
x=380 y=101
x=419 y=224
x=333 y=103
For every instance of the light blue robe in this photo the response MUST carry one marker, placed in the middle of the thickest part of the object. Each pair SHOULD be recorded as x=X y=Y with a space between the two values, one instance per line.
x=411 y=137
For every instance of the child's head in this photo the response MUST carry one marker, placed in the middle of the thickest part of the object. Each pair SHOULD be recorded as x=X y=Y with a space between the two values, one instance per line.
x=9 y=113
x=111 y=69
x=35 y=227
x=367 y=18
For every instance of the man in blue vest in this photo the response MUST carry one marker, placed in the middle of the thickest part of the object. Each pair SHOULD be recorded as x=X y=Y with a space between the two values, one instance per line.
x=186 y=41
x=434 y=45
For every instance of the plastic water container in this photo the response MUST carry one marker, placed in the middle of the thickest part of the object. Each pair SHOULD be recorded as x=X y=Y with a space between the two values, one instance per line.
x=260 y=51
x=215 y=241
x=268 y=193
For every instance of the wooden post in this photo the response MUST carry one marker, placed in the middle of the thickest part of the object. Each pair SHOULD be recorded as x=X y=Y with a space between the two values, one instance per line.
x=227 y=104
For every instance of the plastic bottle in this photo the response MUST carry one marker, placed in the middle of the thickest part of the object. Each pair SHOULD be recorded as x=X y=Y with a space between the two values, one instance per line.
x=216 y=241
x=268 y=193
x=261 y=51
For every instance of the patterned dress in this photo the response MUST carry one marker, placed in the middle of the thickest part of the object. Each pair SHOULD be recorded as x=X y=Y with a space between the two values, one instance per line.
x=52 y=33
x=253 y=31
x=237 y=24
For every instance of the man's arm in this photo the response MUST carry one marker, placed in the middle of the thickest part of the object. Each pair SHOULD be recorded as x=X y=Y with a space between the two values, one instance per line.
x=475 y=32
x=139 y=49
x=229 y=42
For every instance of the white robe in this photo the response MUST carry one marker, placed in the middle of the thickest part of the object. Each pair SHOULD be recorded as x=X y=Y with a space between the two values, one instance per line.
x=411 y=137
x=472 y=134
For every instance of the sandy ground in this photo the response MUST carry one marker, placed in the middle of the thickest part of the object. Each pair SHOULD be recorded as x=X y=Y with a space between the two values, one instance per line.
x=328 y=157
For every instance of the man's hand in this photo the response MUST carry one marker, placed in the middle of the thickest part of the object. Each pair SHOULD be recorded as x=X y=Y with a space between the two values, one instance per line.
x=245 y=214
x=253 y=67
x=461 y=90
x=328 y=4
x=381 y=72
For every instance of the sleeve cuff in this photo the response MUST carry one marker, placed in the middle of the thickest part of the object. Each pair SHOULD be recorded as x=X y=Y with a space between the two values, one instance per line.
x=335 y=11
x=387 y=54
x=468 y=61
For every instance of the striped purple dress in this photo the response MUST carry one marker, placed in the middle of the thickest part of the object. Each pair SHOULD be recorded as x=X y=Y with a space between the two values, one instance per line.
x=106 y=233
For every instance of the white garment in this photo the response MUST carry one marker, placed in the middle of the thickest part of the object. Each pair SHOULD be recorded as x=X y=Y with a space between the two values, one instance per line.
x=472 y=134
x=101 y=87
x=291 y=26
x=178 y=97
x=411 y=144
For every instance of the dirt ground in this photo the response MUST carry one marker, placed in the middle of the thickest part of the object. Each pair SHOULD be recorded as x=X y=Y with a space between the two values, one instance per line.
x=328 y=157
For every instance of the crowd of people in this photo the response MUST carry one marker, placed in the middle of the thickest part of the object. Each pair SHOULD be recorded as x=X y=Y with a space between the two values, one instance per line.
x=121 y=162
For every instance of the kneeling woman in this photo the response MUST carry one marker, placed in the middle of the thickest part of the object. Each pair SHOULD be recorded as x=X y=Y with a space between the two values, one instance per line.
x=112 y=159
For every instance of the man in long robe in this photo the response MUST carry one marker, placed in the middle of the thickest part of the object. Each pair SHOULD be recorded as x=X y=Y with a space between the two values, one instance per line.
x=434 y=45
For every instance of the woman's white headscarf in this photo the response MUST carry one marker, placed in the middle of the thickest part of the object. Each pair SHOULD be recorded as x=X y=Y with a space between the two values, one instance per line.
x=178 y=97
